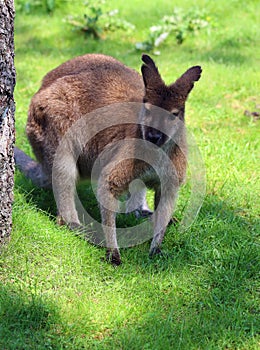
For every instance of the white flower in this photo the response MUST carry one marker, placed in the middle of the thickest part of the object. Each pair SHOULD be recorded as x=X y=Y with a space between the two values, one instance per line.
x=113 y=12
x=155 y=29
x=160 y=39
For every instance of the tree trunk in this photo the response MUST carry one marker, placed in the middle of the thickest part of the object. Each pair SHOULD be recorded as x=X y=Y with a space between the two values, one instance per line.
x=7 y=108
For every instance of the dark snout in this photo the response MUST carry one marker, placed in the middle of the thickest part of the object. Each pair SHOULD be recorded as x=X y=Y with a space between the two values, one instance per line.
x=155 y=136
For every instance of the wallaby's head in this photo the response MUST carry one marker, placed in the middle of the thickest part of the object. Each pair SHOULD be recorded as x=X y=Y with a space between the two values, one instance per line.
x=170 y=98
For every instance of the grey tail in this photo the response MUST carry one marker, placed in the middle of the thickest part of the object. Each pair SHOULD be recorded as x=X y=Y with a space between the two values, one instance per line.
x=31 y=169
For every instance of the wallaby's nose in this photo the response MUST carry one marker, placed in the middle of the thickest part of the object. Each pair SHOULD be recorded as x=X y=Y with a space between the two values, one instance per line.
x=155 y=137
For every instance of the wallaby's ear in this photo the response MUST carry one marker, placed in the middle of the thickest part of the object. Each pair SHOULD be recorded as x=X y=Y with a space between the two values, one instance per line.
x=186 y=82
x=151 y=75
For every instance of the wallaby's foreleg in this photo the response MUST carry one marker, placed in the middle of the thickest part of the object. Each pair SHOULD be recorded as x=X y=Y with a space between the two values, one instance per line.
x=31 y=169
x=162 y=216
x=109 y=228
x=108 y=208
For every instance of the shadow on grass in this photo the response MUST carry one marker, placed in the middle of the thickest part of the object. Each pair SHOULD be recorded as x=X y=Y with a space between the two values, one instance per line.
x=44 y=200
x=26 y=322
x=216 y=262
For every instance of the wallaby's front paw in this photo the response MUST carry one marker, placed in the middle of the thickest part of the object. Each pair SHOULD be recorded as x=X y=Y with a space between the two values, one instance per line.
x=113 y=256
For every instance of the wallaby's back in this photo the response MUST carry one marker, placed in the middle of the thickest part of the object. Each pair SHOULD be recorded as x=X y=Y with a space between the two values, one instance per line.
x=97 y=65
x=73 y=89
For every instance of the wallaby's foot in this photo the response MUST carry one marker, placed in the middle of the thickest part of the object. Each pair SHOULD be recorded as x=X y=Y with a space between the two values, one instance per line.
x=137 y=203
x=154 y=251
x=113 y=256
x=76 y=227
x=71 y=225
x=82 y=231
x=145 y=213
x=174 y=221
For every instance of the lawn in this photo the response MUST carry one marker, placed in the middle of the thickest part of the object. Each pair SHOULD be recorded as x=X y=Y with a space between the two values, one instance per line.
x=57 y=292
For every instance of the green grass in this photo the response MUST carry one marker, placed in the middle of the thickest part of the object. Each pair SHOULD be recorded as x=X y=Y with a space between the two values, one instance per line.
x=57 y=292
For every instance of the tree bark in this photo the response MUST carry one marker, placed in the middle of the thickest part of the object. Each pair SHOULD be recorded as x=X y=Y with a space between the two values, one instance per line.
x=7 y=109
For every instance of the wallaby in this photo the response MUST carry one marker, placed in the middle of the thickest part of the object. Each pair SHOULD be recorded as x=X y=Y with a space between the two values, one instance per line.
x=84 y=85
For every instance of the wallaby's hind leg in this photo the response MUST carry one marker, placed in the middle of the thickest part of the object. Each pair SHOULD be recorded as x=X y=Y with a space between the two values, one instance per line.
x=64 y=188
x=137 y=200
x=31 y=169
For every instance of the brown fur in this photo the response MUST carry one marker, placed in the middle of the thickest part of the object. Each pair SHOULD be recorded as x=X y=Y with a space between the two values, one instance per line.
x=81 y=86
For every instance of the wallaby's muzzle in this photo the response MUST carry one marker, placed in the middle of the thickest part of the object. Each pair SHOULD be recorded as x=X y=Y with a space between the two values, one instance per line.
x=155 y=136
